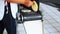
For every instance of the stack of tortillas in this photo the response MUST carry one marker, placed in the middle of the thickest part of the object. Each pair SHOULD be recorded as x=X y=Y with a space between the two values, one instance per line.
x=35 y=6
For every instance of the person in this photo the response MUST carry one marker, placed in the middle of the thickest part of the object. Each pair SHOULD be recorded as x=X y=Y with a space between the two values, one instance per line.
x=7 y=17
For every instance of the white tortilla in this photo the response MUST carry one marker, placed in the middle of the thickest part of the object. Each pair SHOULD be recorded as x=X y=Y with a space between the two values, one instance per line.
x=35 y=6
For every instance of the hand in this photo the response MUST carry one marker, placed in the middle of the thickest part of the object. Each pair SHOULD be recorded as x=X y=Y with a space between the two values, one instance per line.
x=28 y=3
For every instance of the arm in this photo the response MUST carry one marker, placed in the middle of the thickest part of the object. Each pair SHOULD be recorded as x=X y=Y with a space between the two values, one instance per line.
x=28 y=3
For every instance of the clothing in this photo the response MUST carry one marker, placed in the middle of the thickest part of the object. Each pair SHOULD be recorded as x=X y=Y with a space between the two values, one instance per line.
x=7 y=20
x=14 y=9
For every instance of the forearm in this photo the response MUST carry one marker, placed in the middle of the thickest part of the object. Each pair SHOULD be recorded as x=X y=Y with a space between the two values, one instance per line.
x=16 y=1
x=28 y=3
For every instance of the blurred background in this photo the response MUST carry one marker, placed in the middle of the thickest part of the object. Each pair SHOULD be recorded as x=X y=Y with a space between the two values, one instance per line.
x=51 y=16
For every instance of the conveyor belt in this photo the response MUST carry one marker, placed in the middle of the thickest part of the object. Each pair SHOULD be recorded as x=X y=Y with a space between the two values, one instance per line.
x=28 y=16
x=31 y=16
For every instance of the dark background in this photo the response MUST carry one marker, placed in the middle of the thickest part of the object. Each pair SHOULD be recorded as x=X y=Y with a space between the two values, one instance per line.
x=52 y=1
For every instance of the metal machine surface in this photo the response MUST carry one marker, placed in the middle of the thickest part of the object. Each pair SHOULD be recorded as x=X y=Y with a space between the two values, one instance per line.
x=27 y=20
x=27 y=14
